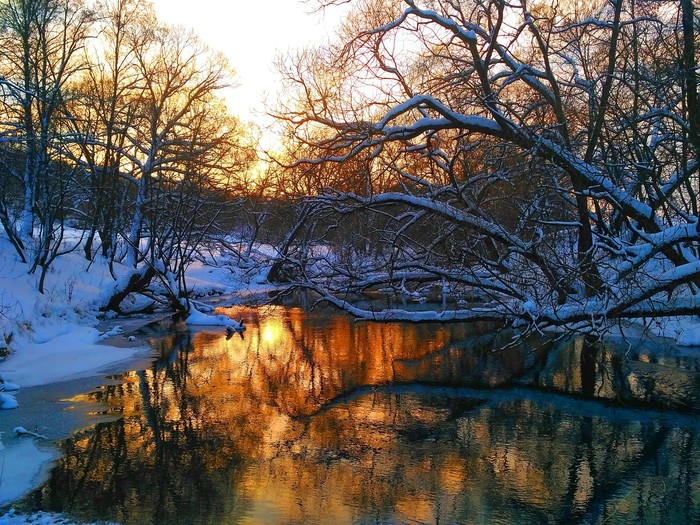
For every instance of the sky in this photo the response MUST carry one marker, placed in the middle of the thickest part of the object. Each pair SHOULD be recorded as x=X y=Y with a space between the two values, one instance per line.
x=251 y=34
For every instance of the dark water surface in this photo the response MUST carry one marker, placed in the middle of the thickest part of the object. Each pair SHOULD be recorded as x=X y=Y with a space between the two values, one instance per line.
x=313 y=418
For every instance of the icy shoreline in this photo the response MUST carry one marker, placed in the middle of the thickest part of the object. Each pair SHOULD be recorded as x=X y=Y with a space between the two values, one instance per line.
x=57 y=338
x=40 y=518
x=77 y=357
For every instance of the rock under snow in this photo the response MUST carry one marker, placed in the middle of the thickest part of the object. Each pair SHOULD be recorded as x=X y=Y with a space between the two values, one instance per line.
x=689 y=337
x=6 y=386
x=21 y=431
x=198 y=318
x=7 y=402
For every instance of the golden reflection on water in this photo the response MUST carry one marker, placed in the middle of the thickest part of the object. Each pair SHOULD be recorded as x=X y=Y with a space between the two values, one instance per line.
x=290 y=424
x=298 y=364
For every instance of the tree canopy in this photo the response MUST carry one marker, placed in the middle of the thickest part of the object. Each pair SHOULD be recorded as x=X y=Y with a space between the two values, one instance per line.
x=543 y=155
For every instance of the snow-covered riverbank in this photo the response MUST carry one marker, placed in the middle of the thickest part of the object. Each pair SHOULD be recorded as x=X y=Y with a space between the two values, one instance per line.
x=47 y=375
x=59 y=338
x=51 y=338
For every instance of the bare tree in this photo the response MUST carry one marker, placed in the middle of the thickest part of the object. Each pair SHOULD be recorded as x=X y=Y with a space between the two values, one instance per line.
x=113 y=119
x=539 y=152
x=39 y=48
x=109 y=92
x=183 y=149
x=188 y=201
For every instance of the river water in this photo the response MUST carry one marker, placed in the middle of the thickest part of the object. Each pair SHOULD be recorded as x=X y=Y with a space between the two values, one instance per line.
x=310 y=417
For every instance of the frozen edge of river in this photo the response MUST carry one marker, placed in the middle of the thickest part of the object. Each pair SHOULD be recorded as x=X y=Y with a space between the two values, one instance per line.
x=25 y=462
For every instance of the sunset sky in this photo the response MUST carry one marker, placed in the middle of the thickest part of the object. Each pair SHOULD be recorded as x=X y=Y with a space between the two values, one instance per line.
x=251 y=34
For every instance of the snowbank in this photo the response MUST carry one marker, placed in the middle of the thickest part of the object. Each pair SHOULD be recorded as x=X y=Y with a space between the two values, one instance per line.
x=23 y=464
x=72 y=355
x=197 y=318
x=52 y=335
x=52 y=338
x=685 y=330
x=690 y=337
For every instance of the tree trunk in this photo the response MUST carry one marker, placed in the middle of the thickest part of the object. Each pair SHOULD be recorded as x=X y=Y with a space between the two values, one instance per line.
x=691 y=77
x=138 y=282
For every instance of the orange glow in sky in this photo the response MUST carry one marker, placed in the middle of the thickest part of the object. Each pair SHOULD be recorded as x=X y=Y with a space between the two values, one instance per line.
x=251 y=34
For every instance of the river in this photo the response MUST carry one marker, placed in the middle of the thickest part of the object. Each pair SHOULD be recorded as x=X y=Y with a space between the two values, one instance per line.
x=311 y=417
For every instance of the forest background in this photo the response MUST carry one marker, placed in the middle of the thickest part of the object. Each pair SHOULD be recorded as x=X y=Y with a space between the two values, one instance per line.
x=531 y=163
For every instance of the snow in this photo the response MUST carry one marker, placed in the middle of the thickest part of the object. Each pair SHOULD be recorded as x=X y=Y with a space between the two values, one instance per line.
x=52 y=338
x=529 y=308
x=7 y=401
x=690 y=337
x=40 y=518
x=6 y=386
x=197 y=318
x=684 y=330
x=21 y=431
x=55 y=337
x=71 y=355
x=24 y=463
x=449 y=118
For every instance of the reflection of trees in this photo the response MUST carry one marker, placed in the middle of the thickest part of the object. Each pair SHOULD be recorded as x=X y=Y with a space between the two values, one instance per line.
x=164 y=462
x=476 y=360
x=316 y=358
x=436 y=459
x=602 y=370
x=299 y=419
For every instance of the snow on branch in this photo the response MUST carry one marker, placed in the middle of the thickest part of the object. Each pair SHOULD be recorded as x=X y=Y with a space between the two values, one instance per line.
x=451 y=119
x=396 y=314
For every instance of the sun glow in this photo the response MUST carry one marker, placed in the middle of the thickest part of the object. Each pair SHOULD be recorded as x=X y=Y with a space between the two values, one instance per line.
x=251 y=37
x=271 y=331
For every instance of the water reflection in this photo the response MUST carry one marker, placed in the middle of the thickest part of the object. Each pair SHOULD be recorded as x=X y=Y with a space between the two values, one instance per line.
x=312 y=418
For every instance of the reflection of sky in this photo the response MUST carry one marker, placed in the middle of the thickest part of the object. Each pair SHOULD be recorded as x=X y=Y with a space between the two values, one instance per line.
x=300 y=363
